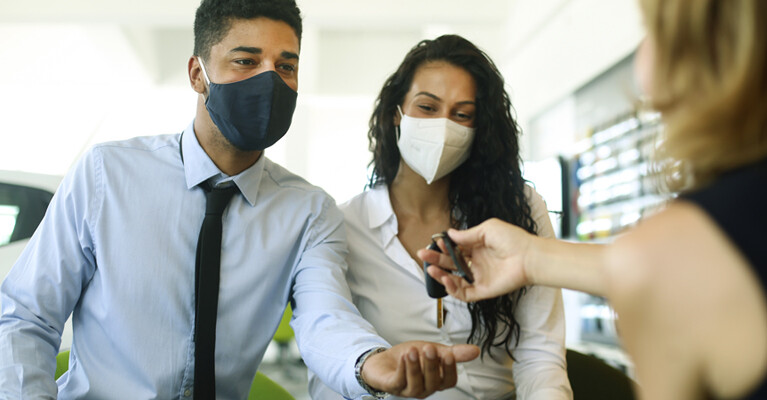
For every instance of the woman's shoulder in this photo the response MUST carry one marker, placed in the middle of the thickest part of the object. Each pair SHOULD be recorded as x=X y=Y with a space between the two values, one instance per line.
x=539 y=211
x=681 y=236
x=368 y=209
x=368 y=198
x=531 y=194
x=536 y=202
x=676 y=245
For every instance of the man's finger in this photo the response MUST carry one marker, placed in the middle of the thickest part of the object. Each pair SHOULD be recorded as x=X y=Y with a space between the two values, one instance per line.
x=414 y=385
x=431 y=369
x=460 y=352
x=449 y=373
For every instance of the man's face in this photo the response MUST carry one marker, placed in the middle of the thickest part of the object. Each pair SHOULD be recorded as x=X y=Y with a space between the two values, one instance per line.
x=253 y=46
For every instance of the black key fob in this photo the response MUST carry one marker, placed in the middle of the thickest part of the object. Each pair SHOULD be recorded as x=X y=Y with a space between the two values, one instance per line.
x=435 y=289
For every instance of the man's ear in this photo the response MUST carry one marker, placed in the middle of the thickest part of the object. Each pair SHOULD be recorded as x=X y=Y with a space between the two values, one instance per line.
x=196 y=80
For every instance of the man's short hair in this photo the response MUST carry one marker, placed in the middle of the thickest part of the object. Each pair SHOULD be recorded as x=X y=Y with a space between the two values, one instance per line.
x=214 y=19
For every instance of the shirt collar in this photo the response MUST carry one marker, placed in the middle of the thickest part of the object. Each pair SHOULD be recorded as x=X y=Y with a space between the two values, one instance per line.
x=198 y=168
x=379 y=206
x=381 y=215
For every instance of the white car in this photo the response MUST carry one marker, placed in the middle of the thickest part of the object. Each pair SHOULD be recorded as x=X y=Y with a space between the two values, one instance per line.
x=24 y=198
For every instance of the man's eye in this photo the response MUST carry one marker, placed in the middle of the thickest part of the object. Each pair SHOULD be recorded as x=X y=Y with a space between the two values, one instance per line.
x=288 y=67
x=246 y=61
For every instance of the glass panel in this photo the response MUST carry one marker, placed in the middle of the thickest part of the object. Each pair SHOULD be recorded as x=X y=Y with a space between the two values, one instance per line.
x=22 y=210
x=8 y=214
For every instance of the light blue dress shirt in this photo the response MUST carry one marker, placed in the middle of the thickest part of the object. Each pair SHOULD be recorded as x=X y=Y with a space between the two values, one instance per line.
x=117 y=250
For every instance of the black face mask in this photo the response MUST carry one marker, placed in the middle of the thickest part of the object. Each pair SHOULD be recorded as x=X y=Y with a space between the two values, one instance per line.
x=254 y=113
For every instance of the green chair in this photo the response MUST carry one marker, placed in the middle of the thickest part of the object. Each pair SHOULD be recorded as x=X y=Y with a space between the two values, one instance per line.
x=262 y=387
x=62 y=364
x=284 y=335
x=593 y=379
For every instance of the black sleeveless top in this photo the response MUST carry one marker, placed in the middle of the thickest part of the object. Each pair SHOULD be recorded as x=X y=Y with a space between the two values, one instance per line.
x=737 y=202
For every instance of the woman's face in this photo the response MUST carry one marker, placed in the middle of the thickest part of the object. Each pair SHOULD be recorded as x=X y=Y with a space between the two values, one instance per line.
x=643 y=66
x=441 y=90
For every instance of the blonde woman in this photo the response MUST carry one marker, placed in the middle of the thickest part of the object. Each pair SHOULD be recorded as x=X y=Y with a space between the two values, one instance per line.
x=689 y=283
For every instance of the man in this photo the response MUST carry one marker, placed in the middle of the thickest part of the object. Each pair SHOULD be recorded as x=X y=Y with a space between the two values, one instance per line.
x=121 y=248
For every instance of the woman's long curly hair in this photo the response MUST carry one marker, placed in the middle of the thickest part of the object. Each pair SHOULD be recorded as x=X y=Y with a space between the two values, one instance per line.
x=489 y=184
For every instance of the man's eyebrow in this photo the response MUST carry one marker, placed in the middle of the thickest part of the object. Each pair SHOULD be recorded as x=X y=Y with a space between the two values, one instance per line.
x=252 y=50
x=257 y=50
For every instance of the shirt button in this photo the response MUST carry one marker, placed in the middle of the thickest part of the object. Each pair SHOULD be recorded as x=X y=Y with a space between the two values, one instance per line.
x=187 y=393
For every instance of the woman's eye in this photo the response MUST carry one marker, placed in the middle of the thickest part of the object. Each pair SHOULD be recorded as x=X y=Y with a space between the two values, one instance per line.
x=464 y=116
x=426 y=108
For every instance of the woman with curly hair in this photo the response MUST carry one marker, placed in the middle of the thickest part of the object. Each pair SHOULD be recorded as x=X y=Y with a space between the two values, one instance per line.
x=446 y=155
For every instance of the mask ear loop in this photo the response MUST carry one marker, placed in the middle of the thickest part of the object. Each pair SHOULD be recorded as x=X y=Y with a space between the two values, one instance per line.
x=204 y=74
x=397 y=128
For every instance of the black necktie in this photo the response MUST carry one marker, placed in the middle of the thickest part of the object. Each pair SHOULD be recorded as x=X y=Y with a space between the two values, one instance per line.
x=207 y=273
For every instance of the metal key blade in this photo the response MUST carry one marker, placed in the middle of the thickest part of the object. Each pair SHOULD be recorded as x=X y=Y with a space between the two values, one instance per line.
x=440 y=314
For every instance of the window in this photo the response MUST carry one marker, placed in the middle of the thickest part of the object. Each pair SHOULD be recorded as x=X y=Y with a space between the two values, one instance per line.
x=8 y=215
x=21 y=210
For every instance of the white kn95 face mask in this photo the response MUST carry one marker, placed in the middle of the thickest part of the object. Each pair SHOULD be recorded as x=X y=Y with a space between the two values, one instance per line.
x=433 y=147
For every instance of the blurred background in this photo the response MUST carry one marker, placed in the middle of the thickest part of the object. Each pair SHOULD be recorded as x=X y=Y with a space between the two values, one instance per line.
x=78 y=72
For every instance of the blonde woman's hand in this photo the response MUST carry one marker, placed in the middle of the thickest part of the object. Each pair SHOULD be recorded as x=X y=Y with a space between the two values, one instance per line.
x=496 y=253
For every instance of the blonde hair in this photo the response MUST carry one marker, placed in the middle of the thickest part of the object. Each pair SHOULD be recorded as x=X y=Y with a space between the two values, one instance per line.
x=710 y=84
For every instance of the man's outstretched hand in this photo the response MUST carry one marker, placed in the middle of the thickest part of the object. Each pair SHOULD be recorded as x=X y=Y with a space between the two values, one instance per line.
x=416 y=369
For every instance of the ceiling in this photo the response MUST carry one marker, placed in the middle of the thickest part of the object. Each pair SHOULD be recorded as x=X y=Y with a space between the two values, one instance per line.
x=160 y=32
x=324 y=13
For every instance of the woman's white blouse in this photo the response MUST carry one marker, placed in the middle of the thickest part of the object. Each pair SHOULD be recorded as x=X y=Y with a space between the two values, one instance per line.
x=388 y=288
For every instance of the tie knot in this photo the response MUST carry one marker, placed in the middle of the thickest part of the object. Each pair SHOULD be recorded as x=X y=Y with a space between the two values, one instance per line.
x=217 y=199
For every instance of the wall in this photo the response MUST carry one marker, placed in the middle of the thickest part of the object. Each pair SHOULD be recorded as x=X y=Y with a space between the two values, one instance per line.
x=555 y=47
